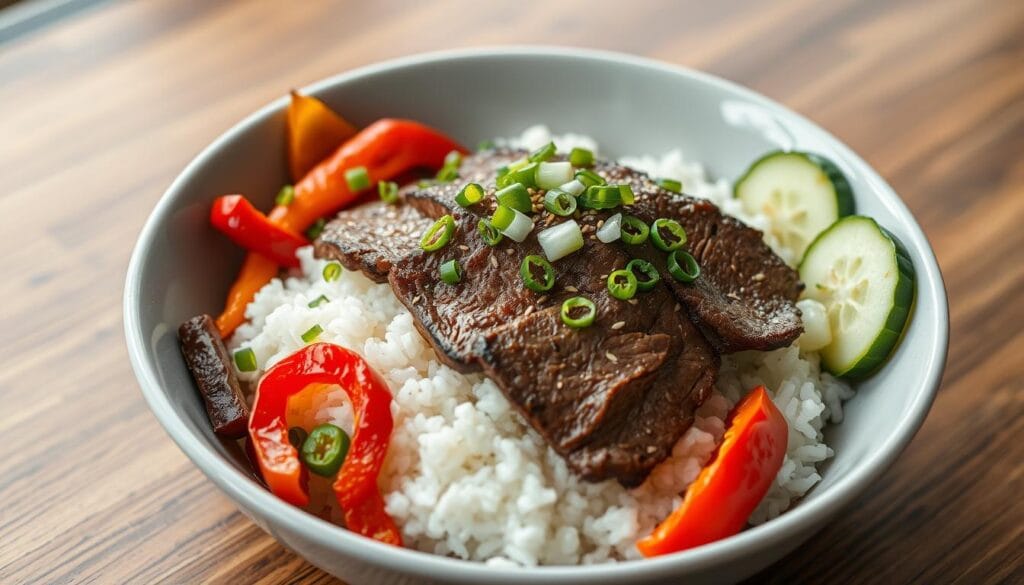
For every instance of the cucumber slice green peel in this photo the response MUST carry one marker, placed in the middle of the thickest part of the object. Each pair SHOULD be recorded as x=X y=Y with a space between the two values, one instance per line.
x=864 y=277
x=801 y=193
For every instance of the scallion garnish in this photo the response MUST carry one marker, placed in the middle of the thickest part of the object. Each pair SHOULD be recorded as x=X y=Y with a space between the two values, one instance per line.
x=560 y=240
x=316 y=229
x=447 y=174
x=503 y=217
x=667 y=235
x=515 y=196
x=601 y=197
x=332 y=270
x=451 y=272
x=518 y=228
x=317 y=301
x=611 y=229
x=245 y=360
x=574 y=188
x=670 y=185
x=488 y=233
x=647 y=276
x=453 y=159
x=470 y=194
x=358 y=179
x=589 y=178
x=581 y=157
x=438 y=235
x=626 y=193
x=543 y=153
x=485 y=145
x=531 y=279
x=388 y=191
x=553 y=174
x=559 y=202
x=285 y=196
x=578 y=312
x=526 y=174
x=312 y=333
x=634 y=230
x=683 y=266
x=622 y=284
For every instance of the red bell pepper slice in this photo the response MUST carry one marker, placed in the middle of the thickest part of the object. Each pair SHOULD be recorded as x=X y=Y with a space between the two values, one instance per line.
x=721 y=499
x=356 y=484
x=387 y=148
x=236 y=218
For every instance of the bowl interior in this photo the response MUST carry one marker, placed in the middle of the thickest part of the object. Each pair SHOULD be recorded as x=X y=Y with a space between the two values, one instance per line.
x=182 y=268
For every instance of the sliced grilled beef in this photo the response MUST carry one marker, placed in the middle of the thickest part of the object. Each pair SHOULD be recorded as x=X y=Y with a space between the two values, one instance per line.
x=211 y=368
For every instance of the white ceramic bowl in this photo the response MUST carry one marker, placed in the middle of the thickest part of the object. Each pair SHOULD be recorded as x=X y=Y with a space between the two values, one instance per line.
x=180 y=268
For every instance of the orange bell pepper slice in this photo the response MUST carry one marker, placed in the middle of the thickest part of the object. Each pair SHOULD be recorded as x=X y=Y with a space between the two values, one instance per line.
x=313 y=131
x=719 y=502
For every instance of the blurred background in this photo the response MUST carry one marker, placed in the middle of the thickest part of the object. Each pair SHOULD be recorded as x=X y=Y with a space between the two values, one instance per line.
x=102 y=103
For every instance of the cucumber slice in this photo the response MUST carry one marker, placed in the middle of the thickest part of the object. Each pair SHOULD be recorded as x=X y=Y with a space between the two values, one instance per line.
x=864 y=277
x=800 y=193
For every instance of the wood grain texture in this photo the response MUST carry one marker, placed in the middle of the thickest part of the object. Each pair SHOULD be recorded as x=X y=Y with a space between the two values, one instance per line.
x=98 y=114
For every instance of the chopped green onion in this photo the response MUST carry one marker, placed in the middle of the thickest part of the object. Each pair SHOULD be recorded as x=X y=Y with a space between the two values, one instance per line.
x=687 y=271
x=611 y=229
x=316 y=229
x=537 y=283
x=526 y=174
x=572 y=316
x=553 y=174
x=622 y=284
x=388 y=191
x=451 y=272
x=589 y=178
x=297 y=436
x=574 y=188
x=667 y=234
x=332 y=270
x=601 y=197
x=425 y=183
x=647 y=276
x=626 y=192
x=515 y=196
x=357 y=179
x=438 y=235
x=581 y=157
x=470 y=194
x=503 y=217
x=317 y=301
x=520 y=226
x=634 y=230
x=245 y=359
x=453 y=159
x=670 y=185
x=559 y=202
x=285 y=196
x=325 y=448
x=447 y=174
x=561 y=240
x=485 y=145
x=488 y=233
x=312 y=333
x=543 y=153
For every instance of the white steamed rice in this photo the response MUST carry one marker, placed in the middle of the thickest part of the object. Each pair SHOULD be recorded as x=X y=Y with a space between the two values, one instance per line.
x=465 y=476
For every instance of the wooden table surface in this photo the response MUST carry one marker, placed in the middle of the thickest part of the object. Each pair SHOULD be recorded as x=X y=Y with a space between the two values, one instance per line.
x=98 y=113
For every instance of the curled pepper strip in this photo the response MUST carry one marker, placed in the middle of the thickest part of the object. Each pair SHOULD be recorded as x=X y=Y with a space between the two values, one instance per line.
x=356 y=484
x=236 y=218
x=387 y=148
x=719 y=502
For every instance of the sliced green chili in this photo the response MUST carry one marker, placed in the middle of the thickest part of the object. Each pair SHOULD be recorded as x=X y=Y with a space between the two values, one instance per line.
x=667 y=234
x=683 y=266
x=572 y=315
x=332 y=270
x=488 y=233
x=325 y=448
x=451 y=272
x=622 y=284
x=438 y=235
x=634 y=230
x=647 y=276
x=531 y=264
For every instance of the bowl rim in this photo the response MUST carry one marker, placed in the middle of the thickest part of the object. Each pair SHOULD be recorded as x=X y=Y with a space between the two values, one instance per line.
x=805 y=518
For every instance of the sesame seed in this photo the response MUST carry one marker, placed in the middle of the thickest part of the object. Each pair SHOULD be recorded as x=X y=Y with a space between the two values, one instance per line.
x=676 y=308
x=416 y=299
x=572 y=289
x=559 y=385
x=611 y=357
x=464 y=247
x=632 y=301
x=651 y=448
x=758 y=277
x=618 y=325
x=528 y=310
x=509 y=251
x=494 y=262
